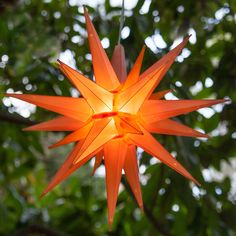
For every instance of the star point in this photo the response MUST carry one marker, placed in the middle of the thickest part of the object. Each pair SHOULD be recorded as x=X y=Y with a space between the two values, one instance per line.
x=114 y=116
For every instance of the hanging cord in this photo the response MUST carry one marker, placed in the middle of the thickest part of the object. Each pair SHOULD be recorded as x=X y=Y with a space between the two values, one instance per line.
x=122 y=20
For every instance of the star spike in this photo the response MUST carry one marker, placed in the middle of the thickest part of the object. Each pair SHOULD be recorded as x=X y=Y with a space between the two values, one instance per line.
x=171 y=127
x=166 y=60
x=61 y=123
x=148 y=81
x=118 y=63
x=160 y=95
x=77 y=135
x=132 y=175
x=97 y=97
x=163 y=109
x=135 y=71
x=76 y=108
x=131 y=99
x=120 y=118
x=98 y=160
x=153 y=147
x=114 y=157
x=102 y=131
x=103 y=71
x=67 y=168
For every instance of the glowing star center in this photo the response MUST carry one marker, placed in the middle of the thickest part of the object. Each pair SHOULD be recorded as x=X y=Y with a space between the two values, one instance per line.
x=105 y=115
x=125 y=123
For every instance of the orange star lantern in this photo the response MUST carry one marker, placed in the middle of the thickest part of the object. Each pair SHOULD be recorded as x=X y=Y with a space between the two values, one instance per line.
x=114 y=116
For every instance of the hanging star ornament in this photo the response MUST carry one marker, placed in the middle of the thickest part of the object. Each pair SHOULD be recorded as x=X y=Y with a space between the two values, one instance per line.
x=115 y=115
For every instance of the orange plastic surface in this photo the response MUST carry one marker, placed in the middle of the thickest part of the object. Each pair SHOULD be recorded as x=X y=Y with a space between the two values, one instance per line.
x=131 y=99
x=67 y=168
x=162 y=109
x=98 y=161
x=114 y=165
x=118 y=63
x=77 y=135
x=135 y=71
x=172 y=127
x=97 y=97
x=61 y=123
x=115 y=115
x=101 y=132
x=154 y=148
x=159 y=95
x=76 y=108
x=132 y=173
x=103 y=71
x=167 y=60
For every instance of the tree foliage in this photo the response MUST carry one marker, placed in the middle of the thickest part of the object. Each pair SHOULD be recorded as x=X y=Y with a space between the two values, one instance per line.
x=33 y=34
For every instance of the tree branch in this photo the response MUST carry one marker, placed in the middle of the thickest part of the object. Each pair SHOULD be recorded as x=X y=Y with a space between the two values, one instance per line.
x=156 y=223
x=38 y=229
x=14 y=118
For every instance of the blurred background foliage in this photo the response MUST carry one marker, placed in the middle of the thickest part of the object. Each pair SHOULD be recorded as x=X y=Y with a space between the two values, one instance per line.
x=33 y=34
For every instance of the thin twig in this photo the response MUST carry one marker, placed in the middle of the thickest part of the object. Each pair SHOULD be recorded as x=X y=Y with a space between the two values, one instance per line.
x=14 y=118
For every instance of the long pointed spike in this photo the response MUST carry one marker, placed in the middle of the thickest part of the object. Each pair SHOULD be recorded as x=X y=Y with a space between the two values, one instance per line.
x=118 y=63
x=98 y=160
x=61 y=123
x=97 y=97
x=163 y=109
x=131 y=99
x=76 y=108
x=67 y=168
x=75 y=136
x=160 y=95
x=83 y=151
x=148 y=82
x=104 y=73
x=132 y=174
x=152 y=146
x=135 y=71
x=172 y=127
x=167 y=60
x=114 y=156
